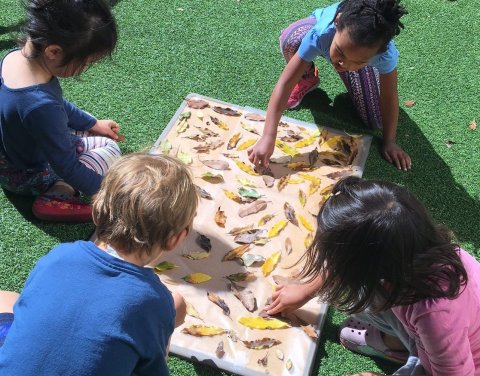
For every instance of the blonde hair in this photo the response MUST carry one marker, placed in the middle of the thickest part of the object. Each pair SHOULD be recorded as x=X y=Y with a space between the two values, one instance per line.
x=143 y=201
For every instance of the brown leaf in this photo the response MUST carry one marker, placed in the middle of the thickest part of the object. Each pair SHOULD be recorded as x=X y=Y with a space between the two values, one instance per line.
x=240 y=230
x=263 y=361
x=226 y=111
x=265 y=219
x=220 y=218
x=204 y=242
x=288 y=246
x=249 y=237
x=203 y=193
x=232 y=143
x=246 y=297
x=410 y=103
x=197 y=137
x=236 y=252
x=216 y=164
x=290 y=213
x=261 y=344
x=313 y=157
x=257 y=206
x=197 y=103
x=242 y=277
x=254 y=117
x=208 y=132
x=220 y=352
x=472 y=125
x=219 y=302
x=282 y=182
x=310 y=331
x=340 y=174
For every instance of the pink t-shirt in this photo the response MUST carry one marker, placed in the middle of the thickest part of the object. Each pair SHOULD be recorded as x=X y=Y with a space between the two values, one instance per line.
x=447 y=332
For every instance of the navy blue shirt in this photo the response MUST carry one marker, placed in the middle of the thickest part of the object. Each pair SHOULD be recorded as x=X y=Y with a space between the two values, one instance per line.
x=84 y=312
x=34 y=132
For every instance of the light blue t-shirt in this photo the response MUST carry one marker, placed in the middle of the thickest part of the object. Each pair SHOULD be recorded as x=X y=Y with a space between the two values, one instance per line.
x=318 y=40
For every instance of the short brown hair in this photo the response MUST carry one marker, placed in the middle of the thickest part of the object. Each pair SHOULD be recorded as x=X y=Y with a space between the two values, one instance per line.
x=143 y=201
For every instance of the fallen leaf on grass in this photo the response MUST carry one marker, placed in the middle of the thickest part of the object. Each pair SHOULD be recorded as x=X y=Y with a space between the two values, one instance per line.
x=260 y=344
x=203 y=331
x=410 y=103
x=219 y=302
x=472 y=125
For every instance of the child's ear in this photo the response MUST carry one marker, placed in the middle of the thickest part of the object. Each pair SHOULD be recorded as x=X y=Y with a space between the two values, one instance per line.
x=337 y=18
x=176 y=240
x=53 y=51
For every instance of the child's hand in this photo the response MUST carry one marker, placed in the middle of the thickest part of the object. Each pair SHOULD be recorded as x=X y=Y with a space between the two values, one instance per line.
x=396 y=156
x=108 y=128
x=261 y=152
x=287 y=299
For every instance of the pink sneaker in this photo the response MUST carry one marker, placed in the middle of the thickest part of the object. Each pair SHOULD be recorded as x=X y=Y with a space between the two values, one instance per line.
x=305 y=86
x=365 y=339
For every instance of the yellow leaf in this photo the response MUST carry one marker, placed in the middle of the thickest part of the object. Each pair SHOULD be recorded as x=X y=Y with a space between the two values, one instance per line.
x=282 y=182
x=191 y=311
x=302 y=197
x=275 y=230
x=305 y=142
x=246 y=144
x=285 y=148
x=233 y=141
x=233 y=196
x=270 y=263
x=265 y=219
x=197 y=278
x=182 y=126
x=295 y=181
x=202 y=330
x=313 y=187
x=332 y=142
x=246 y=168
x=305 y=222
x=298 y=166
x=327 y=190
x=308 y=240
x=309 y=177
x=263 y=323
x=246 y=182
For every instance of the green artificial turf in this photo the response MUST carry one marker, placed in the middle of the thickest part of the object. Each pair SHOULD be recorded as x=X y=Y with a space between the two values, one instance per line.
x=228 y=49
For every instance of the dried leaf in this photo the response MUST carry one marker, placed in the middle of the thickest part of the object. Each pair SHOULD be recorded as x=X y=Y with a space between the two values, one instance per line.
x=263 y=361
x=281 y=159
x=196 y=255
x=313 y=187
x=219 y=302
x=208 y=132
x=203 y=331
x=196 y=137
x=241 y=230
x=252 y=193
x=212 y=178
x=204 y=242
x=340 y=174
x=199 y=114
x=220 y=218
x=285 y=148
x=196 y=278
x=246 y=182
x=254 y=117
x=279 y=354
x=330 y=162
x=410 y=103
x=236 y=252
x=261 y=241
x=197 y=103
x=249 y=259
x=232 y=335
x=191 y=311
x=246 y=297
x=270 y=263
x=313 y=157
x=203 y=193
x=289 y=365
x=254 y=208
x=323 y=136
x=246 y=168
x=290 y=213
x=306 y=223
x=185 y=115
x=230 y=155
x=249 y=128
x=165 y=146
x=472 y=125
x=164 y=266
x=305 y=142
x=302 y=197
x=220 y=352
x=282 y=182
x=268 y=178
x=219 y=123
x=263 y=323
x=233 y=196
x=308 y=240
x=275 y=230
x=185 y=157
x=327 y=189
x=182 y=126
x=216 y=164
x=266 y=218
x=249 y=237
x=234 y=141
x=261 y=344
x=226 y=111
x=288 y=246
x=298 y=166
x=242 y=277
x=310 y=331
x=245 y=145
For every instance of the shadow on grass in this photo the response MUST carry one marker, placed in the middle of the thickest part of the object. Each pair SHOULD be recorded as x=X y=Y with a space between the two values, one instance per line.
x=11 y=42
x=430 y=178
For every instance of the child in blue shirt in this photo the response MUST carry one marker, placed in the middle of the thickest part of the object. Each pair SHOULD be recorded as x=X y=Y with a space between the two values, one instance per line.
x=98 y=308
x=355 y=36
x=48 y=146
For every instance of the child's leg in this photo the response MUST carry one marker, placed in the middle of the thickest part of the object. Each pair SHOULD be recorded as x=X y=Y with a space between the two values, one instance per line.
x=364 y=89
x=7 y=301
x=99 y=153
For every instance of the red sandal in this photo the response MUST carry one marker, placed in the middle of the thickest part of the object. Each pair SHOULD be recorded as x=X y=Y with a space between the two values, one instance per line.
x=58 y=207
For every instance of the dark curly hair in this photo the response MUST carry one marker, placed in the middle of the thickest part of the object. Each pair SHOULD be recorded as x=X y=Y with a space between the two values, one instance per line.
x=377 y=243
x=371 y=22
x=82 y=28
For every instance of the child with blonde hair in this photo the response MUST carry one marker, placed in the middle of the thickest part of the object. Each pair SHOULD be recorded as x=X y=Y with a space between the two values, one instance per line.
x=98 y=308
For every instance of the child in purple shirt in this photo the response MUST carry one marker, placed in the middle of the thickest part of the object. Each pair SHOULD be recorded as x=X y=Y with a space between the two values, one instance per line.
x=413 y=295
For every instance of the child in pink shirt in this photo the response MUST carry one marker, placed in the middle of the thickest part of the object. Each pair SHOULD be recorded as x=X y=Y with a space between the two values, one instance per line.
x=413 y=295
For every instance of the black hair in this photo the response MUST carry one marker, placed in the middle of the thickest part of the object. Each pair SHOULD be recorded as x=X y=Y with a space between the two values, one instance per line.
x=376 y=246
x=371 y=22
x=82 y=28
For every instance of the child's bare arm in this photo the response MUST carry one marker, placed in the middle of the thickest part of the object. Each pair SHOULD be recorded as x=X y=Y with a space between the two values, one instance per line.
x=180 y=309
x=263 y=149
x=389 y=109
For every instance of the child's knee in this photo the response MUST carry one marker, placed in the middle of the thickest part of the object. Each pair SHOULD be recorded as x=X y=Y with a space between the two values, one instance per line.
x=180 y=308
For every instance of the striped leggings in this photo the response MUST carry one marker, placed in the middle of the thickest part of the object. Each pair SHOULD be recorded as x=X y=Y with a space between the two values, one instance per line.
x=362 y=85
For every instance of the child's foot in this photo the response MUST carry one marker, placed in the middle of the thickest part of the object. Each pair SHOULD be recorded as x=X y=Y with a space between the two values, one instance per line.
x=58 y=207
x=301 y=89
x=365 y=339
